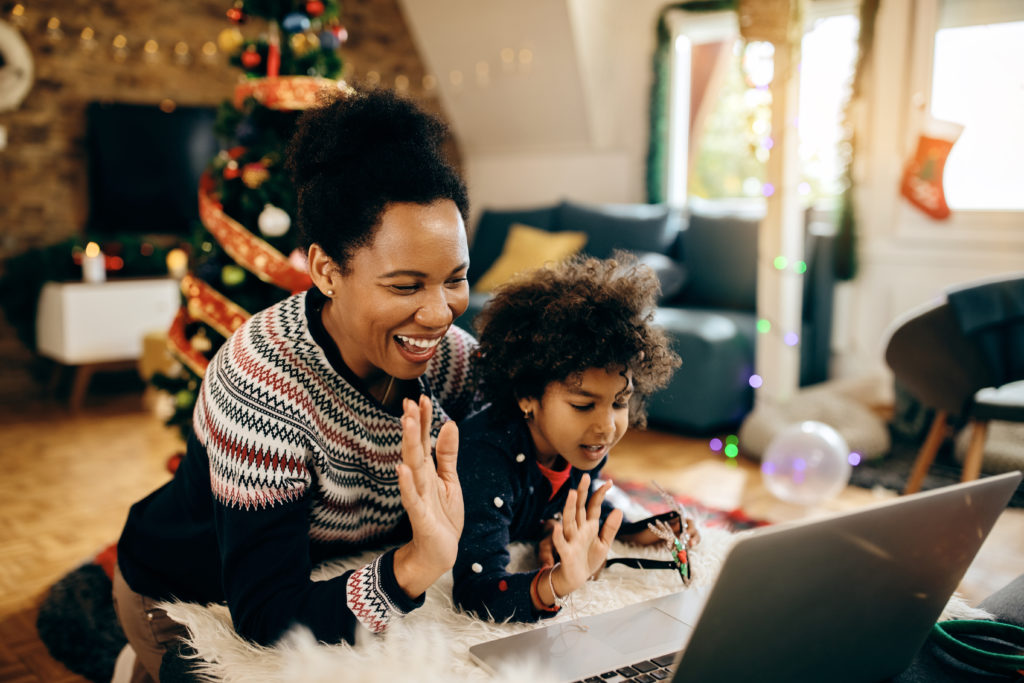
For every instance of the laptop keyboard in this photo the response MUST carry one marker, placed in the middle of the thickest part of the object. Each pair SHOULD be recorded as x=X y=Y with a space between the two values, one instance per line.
x=646 y=671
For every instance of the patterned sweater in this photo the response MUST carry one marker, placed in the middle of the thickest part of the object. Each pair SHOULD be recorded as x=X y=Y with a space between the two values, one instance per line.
x=507 y=499
x=291 y=463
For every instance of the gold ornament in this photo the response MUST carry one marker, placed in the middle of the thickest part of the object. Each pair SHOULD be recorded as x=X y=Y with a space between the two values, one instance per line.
x=230 y=40
x=300 y=44
x=254 y=175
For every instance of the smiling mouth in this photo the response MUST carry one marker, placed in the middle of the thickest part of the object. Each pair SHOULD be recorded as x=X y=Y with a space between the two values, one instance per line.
x=595 y=449
x=417 y=349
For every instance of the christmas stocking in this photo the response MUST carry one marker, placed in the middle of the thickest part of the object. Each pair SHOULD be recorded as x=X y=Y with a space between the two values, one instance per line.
x=922 y=176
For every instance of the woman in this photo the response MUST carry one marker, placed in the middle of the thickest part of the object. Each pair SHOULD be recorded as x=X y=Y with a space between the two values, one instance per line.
x=312 y=432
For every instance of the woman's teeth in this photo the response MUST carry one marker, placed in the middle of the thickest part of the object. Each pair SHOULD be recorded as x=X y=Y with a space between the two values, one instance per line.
x=420 y=345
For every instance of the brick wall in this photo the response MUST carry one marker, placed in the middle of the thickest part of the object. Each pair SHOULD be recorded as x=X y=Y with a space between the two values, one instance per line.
x=43 y=168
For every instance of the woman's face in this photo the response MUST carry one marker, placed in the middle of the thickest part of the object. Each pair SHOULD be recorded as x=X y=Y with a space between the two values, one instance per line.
x=580 y=421
x=400 y=293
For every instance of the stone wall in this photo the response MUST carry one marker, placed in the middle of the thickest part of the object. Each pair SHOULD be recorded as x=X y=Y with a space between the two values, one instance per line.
x=43 y=180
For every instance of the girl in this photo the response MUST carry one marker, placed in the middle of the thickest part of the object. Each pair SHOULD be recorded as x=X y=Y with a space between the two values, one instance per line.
x=567 y=357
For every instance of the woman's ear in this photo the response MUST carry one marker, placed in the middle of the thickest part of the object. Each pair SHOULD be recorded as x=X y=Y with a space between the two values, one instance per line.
x=322 y=269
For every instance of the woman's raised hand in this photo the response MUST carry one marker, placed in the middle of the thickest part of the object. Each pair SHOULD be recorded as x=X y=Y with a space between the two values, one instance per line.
x=431 y=496
x=580 y=540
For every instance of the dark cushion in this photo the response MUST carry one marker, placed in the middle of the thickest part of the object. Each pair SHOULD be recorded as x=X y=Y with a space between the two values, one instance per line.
x=720 y=256
x=633 y=227
x=492 y=229
x=671 y=275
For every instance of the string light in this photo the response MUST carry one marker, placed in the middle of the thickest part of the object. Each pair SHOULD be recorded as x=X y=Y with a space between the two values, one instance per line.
x=120 y=43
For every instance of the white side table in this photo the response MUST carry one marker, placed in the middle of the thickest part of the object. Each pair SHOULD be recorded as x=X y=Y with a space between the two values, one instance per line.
x=101 y=326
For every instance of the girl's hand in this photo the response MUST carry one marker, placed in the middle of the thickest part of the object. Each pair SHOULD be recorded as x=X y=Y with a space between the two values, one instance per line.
x=581 y=543
x=431 y=496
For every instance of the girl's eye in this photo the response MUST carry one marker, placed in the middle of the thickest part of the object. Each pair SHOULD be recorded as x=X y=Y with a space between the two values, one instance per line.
x=582 y=408
x=620 y=406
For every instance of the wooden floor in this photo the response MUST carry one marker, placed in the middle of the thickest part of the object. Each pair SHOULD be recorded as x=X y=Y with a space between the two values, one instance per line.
x=68 y=481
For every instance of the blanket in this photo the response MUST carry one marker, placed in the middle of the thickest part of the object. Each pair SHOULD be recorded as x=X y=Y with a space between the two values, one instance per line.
x=433 y=639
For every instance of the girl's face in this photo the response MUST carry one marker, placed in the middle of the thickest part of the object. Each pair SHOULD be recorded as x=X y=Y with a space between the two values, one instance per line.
x=400 y=293
x=580 y=419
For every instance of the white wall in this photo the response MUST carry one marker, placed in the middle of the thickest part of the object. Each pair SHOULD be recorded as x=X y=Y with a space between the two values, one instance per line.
x=574 y=125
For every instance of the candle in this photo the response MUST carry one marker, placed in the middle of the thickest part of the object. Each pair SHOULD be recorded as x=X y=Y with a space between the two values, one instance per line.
x=94 y=264
x=177 y=263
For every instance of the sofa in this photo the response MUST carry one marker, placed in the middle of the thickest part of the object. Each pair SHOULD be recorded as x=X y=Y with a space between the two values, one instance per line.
x=707 y=266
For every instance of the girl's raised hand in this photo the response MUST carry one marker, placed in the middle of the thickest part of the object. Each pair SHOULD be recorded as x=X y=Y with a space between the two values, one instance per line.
x=431 y=496
x=582 y=544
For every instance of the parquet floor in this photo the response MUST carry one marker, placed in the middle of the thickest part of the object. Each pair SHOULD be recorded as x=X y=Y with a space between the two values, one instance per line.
x=68 y=481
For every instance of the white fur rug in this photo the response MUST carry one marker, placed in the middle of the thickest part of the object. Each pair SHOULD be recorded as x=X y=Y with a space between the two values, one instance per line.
x=432 y=643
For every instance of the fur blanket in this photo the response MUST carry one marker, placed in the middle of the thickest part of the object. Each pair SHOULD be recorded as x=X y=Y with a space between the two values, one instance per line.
x=435 y=638
x=432 y=643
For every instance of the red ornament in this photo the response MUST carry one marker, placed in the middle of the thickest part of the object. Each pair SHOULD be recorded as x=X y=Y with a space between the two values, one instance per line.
x=314 y=8
x=251 y=58
x=231 y=170
x=236 y=14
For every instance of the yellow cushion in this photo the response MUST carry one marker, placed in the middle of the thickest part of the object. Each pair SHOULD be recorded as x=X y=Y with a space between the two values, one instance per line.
x=527 y=248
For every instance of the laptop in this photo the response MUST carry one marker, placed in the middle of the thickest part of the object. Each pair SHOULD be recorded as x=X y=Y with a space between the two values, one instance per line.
x=846 y=598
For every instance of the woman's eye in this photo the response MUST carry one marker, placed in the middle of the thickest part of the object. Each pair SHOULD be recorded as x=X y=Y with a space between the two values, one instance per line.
x=405 y=289
x=456 y=282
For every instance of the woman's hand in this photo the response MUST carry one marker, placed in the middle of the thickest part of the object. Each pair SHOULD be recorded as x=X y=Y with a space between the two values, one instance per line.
x=581 y=542
x=431 y=496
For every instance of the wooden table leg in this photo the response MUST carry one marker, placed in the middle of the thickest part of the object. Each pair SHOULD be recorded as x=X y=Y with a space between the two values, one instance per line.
x=83 y=375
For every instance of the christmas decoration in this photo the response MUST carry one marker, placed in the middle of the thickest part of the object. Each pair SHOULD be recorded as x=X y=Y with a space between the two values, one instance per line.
x=251 y=58
x=230 y=40
x=274 y=222
x=248 y=258
x=295 y=23
x=922 y=176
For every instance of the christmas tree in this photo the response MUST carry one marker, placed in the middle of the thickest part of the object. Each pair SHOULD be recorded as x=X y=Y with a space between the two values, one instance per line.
x=247 y=257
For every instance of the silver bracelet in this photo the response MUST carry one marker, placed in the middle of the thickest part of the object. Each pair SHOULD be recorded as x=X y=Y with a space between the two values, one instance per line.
x=559 y=602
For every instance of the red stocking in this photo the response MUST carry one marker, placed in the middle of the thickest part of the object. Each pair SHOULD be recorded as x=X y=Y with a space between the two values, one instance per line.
x=922 y=176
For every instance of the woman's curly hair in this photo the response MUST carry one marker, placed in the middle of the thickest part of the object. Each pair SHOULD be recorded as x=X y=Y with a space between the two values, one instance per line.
x=553 y=323
x=357 y=153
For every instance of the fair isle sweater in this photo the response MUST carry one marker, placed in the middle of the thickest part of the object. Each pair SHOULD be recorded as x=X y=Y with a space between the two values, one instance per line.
x=291 y=462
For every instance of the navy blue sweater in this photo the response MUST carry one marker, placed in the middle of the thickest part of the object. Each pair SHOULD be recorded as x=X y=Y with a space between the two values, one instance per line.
x=507 y=499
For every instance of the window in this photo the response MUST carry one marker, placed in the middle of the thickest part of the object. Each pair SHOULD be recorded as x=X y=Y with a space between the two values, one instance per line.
x=977 y=81
x=721 y=107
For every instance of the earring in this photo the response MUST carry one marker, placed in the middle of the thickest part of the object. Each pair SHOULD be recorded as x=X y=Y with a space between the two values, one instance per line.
x=329 y=292
x=528 y=415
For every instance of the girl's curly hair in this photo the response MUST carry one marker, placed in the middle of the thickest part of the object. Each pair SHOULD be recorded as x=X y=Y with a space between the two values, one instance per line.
x=354 y=155
x=553 y=323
